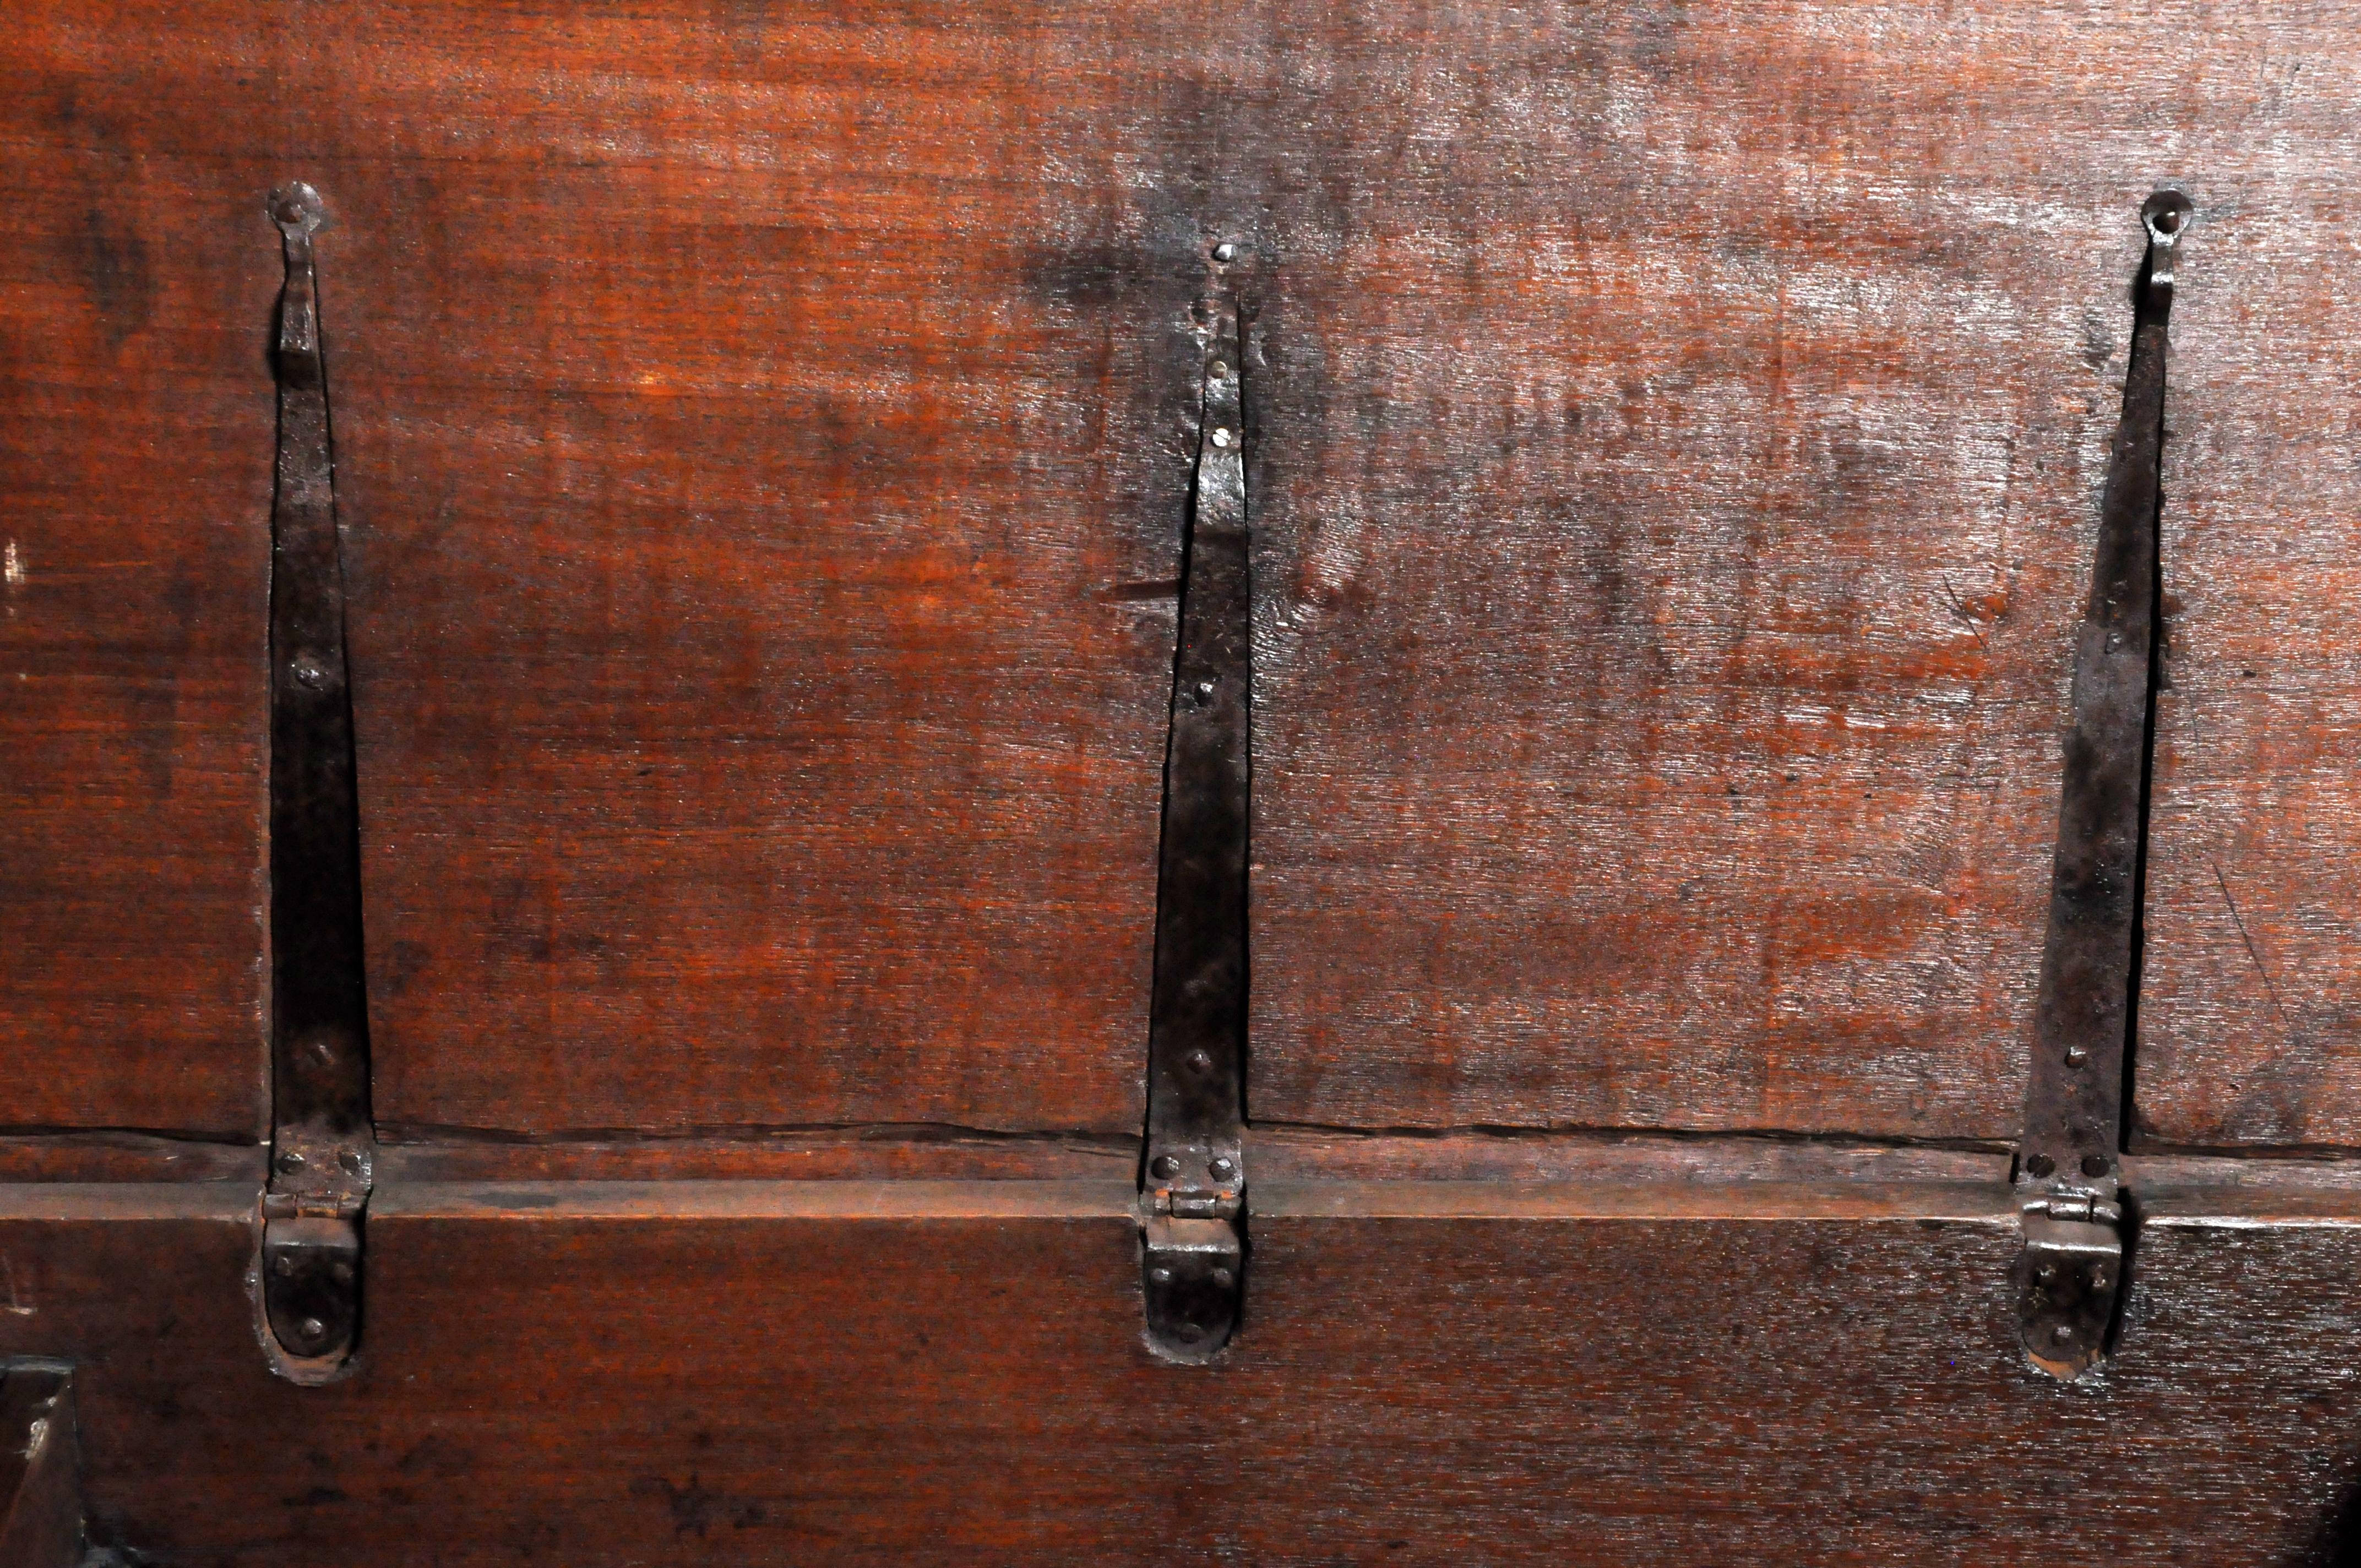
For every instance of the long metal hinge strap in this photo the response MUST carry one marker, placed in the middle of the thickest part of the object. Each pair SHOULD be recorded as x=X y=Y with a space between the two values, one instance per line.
x=1192 y=1206
x=322 y=1143
x=2069 y=1166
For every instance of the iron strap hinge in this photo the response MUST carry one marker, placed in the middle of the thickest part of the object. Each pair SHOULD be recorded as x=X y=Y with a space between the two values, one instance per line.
x=1192 y=1187
x=323 y=1144
x=2069 y=1276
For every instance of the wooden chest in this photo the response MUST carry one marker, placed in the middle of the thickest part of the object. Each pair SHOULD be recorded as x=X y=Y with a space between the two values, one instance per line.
x=798 y=781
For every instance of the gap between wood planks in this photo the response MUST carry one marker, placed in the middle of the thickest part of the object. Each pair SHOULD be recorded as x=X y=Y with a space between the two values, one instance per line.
x=1301 y=1172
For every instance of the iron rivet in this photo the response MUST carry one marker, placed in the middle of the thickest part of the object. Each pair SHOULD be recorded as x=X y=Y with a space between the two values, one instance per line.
x=1222 y=1277
x=2094 y=1165
x=1224 y=1168
x=1220 y=369
x=2040 y=1165
x=1204 y=688
x=2098 y=1280
x=342 y=1273
x=311 y=1328
x=291 y=1160
x=1161 y=1276
x=1191 y=1333
x=2063 y=1333
x=1226 y=251
x=2077 y=1055
x=351 y=1160
x=1164 y=1166
x=1199 y=1062
x=307 y=673
x=2045 y=1273
x=1220 y=438
x=296 y=205
x=283 y=1267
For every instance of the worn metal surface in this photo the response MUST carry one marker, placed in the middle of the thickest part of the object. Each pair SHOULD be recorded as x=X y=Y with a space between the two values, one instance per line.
x=40 y=1467
x=2068 y=1168
x=1194 y=1181
x=321 y=1147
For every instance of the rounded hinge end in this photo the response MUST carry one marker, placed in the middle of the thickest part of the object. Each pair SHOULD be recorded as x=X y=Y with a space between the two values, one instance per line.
x=1192 y=1287
x=297 y=209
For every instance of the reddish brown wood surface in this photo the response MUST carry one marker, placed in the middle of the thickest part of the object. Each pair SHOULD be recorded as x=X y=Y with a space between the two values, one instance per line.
x=136 y=282
x=548 y=1385
x=762 y=476
x=1680 y=456
x=1677 y=444
x=2248 y=1030
x=764 y=482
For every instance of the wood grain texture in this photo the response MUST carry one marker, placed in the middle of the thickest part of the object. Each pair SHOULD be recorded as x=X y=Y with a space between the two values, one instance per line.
x=764 y=468
x=861 y=1154
x=1677 y=437
x=761 y=482
x=136 y=285
x=1680 y=449
x=549 y=1386
x=126 y=1156
x=2247 y=1026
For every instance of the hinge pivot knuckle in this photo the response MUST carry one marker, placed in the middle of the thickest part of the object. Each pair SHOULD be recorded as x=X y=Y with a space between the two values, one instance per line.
x=2069 y=1280
x=1193 y=1278
x=311 y=1282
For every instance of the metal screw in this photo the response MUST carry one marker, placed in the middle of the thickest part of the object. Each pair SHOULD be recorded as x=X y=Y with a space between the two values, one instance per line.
x=2040 y=1165
x=2063 y=1333
x=1220 y=438
x=1164 y=1166
x=2094 y=1165
x=1198 y=1061
x=1226 y=252
x=1223 y=1169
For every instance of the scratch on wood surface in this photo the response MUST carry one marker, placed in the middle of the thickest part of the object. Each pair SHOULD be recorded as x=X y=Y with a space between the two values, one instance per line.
x=15 y=1304
x=2222 y=882
x=1975 y=627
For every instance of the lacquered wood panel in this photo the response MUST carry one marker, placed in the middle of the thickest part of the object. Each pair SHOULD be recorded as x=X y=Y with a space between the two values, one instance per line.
x=640 y=1375
x=1680 y=456
x=2247 y=1026
x=136 y=276
x=764 y=475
